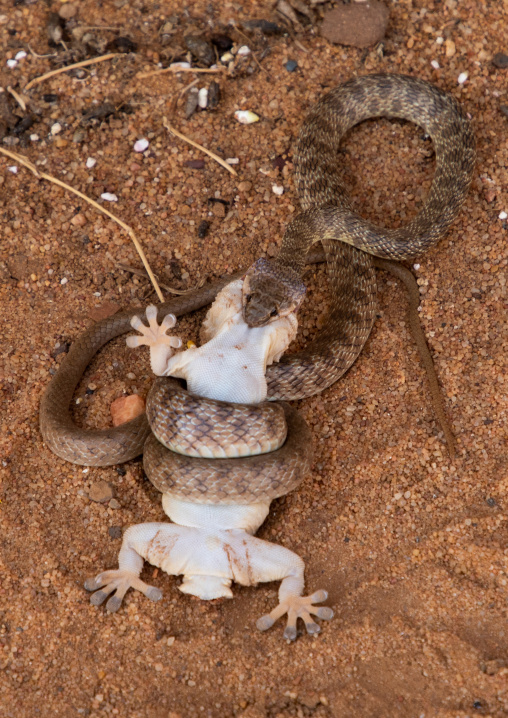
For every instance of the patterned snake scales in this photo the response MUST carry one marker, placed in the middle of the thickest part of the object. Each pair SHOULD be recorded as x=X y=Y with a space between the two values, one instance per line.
x=274 y=288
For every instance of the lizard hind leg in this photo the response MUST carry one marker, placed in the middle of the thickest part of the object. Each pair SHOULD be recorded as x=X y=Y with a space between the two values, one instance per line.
x=298 y=607
x=119 y=582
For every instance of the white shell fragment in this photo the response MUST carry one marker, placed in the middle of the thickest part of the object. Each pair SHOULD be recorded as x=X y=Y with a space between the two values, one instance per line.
x=277 y=189
x=12 y=64
x=141 y=145
x=56 y=128
x=462 y=78
x=20 y=55
x=503 y=215
x=13 y=169
x=108 y=197
x=91 y=162
x=243 y=50
x=246 y=117
x=203 y=98
x=233 y=161
x=180 y=65
x=435 y=64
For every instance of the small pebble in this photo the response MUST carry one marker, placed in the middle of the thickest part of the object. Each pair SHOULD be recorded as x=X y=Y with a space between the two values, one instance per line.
x=115 y=531
x=180 y=65
x=449 y=48
x=227 y=57
x=243 y=50
x=141 y=145
x=499 y=60
x=203 y=98
x=20 y=55
x=13 y=169
x=277 y=189
x=416 y=266
x=56 y=128
x=34 y=138
x=246 y=117
x=100 y=492
x=126 y=408
x=64 y=280
x=503 y=215
x=68 y=10
x=435 y=64
x=108 y=197
x=291 y=65
x=462 y=78
x=233 y=160
x=114 y=504
x=11 y=63
x=91 y=163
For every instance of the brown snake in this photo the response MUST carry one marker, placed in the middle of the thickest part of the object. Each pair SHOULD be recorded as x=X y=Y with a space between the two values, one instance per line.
x=274 y=288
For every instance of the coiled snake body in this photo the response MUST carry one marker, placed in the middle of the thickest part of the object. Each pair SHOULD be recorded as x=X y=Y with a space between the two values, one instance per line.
x=274 y=288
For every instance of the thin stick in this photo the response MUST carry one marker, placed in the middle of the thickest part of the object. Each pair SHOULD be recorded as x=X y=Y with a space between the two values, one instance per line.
x=199 y=147
x=203 y=70
x=84 y=63
x=142 y=273
x=129 y=230
x=18 y=98
x=188 y=87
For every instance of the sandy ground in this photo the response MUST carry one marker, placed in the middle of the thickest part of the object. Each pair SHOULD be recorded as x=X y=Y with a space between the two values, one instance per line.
x=411 y=546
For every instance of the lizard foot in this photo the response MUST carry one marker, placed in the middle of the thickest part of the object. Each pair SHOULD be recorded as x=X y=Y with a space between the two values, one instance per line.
x=119 y=581
x=298 y=607
x=153 y=334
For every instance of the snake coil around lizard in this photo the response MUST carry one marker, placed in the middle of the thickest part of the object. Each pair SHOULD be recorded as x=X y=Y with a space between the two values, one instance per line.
x=351 y=245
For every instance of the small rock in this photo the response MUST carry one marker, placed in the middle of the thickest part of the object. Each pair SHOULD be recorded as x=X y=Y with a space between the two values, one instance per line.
x=56 y=128
x=11 y=64
x=291 y=65
x=68 y=10
x=100 y=492
x=191 y=103
x=278 y=189
x=79 y=220
x=449 y=48
x=201 y=49
x=503 y=215
x=357 y=24
x=266 y=27
x=78 y=136
x=91 y=162
x=504 y=110
x=245 y=186
x=243 y=50
x=115 y=532
x=246 y=117
x=462 y=78
x=13 y=169
x=499 y=60
x=203 y=228
x=213 y=95
x=126 y=408
x=219 y=210
x=109 y=197
x=203 y=98
x=141 y=145
x=114 y=504
x=233 y=161
x=195 y=164
x=20 y=55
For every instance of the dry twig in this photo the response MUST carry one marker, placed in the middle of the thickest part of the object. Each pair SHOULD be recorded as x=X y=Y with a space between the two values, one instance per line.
x=202 y=70
x=43 y=175
x=199 y=147
x=18 y=98
x=84 y=63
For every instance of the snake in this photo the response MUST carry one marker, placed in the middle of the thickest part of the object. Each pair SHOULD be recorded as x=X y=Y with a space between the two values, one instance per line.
x=353 y=248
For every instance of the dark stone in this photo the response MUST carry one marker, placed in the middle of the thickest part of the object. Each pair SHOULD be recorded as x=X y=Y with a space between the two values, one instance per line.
x=195 y=164
x=222 y=42
x=50 y=97
x=121 y=44
x=115 y=532
x=201 y=49
x=291 y=65
x=213 y=95
x=500 y=60
x=203 y=228
x=23 y=125
x=491 y=502
x=266 y=27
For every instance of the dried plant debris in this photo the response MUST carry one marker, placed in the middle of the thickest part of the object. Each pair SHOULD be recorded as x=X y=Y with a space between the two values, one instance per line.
x=201 y=49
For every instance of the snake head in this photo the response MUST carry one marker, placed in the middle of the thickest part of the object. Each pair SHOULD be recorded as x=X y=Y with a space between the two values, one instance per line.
x=270 y=291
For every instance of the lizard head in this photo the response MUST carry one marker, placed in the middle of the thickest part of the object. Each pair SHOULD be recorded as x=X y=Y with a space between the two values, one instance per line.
x=270 y=291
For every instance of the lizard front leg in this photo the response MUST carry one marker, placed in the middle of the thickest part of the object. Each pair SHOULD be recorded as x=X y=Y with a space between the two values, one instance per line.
x=154 y=336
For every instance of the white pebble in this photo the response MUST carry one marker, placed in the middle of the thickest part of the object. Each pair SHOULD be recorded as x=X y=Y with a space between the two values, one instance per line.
x=97 y=294
x=435 y=64
x=56 y=128
x=416 y=266
x=141 y=145
x=246 y=117
x=11 y=63
x=462 y=78
x=243 y=50
x=20 y=55
x=277 y=189
x=503 y=215
x=439 y=40
x=227 y=57
x=91 y=163
x=203 y=98
x=180 y=65
x=64 y=280
x=34 y=138
x=233 y=161
x=13 y=169
x=109 y=197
